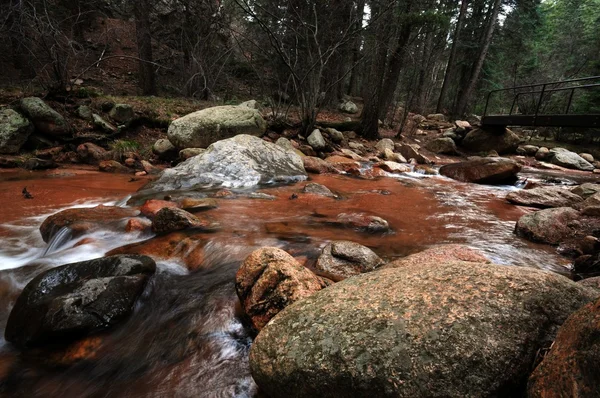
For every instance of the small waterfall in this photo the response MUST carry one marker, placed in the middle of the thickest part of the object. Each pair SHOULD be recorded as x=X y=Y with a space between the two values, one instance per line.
x=58 y=240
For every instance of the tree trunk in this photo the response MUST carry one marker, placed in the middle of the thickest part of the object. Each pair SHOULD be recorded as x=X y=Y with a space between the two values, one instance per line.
x=141 y=9
x=450 y=66
x=353 y=84
x=466 y=96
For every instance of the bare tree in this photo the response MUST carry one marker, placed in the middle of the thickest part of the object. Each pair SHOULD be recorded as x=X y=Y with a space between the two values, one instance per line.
x=141 y=10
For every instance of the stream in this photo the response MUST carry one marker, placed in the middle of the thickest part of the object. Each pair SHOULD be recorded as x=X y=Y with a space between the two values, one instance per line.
x=187 y=337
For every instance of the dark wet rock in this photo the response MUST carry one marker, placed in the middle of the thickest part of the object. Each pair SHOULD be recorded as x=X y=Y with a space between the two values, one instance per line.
x=586 y=190
x=92 y=153
x=240 y=161
x=45 y=119
x=270 y=280
x=442 y=145
x=153 y=206
x=50 y=153
x=570 y=160
x=170 y=219
x=122 y=113
x=411 y=151
x=544 y=197
x=84 y=219
x=39 y=164
x=480 y=140
x=440 y=255
x=548 y=226
x=587 y=265
x=592 y=211
x=14 y=131
x=84 y=112
x=572 y=367
x=103 y=125
x=454 y=329
x=164 y=149
x=73 y=300
x=8 y=161
x=318 y=189
x=112 y=166
x=205 y=127
x=364 y=222
x=342 y=259
x=483 y=170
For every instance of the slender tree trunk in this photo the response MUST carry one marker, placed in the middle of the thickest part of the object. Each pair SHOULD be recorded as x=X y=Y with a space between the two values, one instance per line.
x=141 y=9
x=353 y=84
x=424 y=71
x=450 y=66
x=466 y=96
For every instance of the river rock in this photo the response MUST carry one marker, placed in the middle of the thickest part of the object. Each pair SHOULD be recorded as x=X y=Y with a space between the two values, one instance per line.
x=164 y=149
x=203 y=128
x=343 y=164
x=318 y=189
x=14 y=131
x=463 y=126
x=39 y=164
x=569 y=160
x=102 y=125
x=270 y=280
x=393 y=167
x=544 y=197
x=170 y=219
x=586 y=190
x=318 y=166
x=411 y=151
x=153 y=206
x=543 y=154
x=348 y=107
x=187 y=153
x=390 y=155
x=491 y=170
x=122 y=113
x=241 y=161
x=479 y=140
x=442 y=145
x=572 y=367
x=83 y=219
x=84 y=112
x=456 y=329
x=198 y=204
x=76 y=299
x=550 y=226
x=92 y=154
x=112 y=166
x=440 y=255
x=587 y=157
x=342 y=259
x=316 y=140
x=382 y=145
x=45 y=119
x=530 y=150
x=587 y=265
x=364 y=222
x=335 y=135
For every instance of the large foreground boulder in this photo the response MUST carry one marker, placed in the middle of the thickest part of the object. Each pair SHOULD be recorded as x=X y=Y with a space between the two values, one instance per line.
x=205 y=127
x=544 y=197
x=572 y=367
x=240 y=161
x=45 y=119
x=14 y=131
x=479 y=140
x=73 y=300
x=565 y=158
x=483 y=171
x=549 y=225
x=455 y=329
x=268 y=281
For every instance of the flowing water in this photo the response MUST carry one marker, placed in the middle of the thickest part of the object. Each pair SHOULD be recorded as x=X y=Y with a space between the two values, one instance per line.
x=187 y=337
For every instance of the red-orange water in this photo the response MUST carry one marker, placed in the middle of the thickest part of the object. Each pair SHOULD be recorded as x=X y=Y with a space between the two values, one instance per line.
x=186 y=336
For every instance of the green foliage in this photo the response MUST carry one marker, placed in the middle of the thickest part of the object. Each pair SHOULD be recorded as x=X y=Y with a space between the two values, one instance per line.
x=120 y=148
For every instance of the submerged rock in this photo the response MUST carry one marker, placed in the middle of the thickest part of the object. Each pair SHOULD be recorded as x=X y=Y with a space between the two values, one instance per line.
x=241 y=161
x=170 y=219
x=342 y=259
x=203 y=128
x=318 y=189
x=548 y=226
x=14 y=131
x=364 y=222
x=544 y=197
x=572 y=367
x=269 y=280
x=453 y=329
x=483 y=170
x=73 y=300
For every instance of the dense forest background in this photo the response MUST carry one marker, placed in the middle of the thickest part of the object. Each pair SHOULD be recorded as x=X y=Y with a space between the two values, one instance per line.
x=422 y=56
